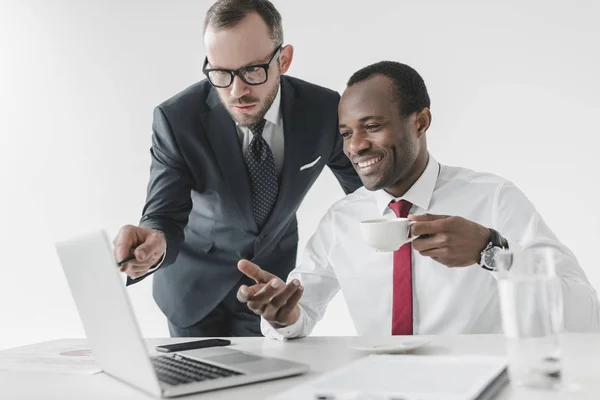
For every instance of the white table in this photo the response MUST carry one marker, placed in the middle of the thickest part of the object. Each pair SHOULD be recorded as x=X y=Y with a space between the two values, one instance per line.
x=581 y=360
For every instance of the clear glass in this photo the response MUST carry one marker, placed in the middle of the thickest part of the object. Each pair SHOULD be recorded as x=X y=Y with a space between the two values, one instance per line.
x=531 y=308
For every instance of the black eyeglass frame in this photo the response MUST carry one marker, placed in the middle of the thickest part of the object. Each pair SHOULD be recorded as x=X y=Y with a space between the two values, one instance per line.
x=240 y=71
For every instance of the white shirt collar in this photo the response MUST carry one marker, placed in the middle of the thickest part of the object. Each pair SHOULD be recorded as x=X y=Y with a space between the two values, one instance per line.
x=420 y=192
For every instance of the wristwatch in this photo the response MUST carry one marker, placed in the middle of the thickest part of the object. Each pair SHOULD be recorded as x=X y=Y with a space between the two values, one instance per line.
x=488 y=254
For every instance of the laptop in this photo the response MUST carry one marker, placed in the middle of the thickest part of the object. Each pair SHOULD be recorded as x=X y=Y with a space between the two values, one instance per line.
x=99 y=292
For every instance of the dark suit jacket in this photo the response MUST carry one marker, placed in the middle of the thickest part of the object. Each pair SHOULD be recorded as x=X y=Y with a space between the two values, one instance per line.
x=199 y=193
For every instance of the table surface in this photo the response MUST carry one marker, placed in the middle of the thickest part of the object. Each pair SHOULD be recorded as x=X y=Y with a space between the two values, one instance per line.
x=581 y=356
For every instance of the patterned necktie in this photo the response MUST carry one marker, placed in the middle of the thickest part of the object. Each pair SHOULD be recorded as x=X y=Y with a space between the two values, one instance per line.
x=402 y=305
x=263 y=175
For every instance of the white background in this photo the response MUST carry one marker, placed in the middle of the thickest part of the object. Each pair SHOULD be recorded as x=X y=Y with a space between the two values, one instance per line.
x=514 y=88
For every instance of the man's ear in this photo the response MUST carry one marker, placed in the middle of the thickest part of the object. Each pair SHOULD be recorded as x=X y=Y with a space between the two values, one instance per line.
x=423 y=121
x=285 y=58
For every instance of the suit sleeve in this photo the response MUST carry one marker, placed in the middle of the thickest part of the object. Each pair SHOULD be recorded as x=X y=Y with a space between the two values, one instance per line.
x=341 y=166
x=168 y=200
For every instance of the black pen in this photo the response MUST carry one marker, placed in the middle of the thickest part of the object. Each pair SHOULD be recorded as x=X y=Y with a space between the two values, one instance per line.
x=125 y=261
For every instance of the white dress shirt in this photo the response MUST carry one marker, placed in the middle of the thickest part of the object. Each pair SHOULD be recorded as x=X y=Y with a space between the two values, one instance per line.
x=445 y=300
x=273 y=134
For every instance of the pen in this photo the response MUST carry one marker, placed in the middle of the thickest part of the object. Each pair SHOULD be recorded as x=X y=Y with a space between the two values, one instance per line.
x=125 y=261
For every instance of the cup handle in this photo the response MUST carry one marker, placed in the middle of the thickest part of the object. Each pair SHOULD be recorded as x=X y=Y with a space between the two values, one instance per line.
x=410 y=239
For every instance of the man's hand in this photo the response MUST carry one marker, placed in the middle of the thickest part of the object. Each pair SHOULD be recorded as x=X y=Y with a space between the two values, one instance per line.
x=452 y=241
x=270 y=298
x=147 y=245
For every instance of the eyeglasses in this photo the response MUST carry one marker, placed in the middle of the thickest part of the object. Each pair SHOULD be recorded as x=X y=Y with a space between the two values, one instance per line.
x=252 y=74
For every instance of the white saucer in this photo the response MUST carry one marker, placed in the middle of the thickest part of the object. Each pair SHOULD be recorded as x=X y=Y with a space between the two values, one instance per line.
x=388 y=344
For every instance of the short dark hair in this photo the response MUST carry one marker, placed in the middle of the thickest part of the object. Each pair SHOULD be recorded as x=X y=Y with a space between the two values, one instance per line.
x=410 y=88
x=227 y=13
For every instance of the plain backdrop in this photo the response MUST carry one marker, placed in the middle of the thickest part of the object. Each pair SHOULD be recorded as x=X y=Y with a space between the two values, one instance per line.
x=514 y=88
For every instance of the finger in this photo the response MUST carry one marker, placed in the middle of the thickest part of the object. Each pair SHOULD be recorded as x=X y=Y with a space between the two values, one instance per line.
x=268 y=290
x=149 y=262
x=123 y=243
x=258 y=307
x=282 y=297
x=437 y=254
x=430 y=242
x=245 y=293
x=253 y=271
x=151 y=248
x=135 y=275
x=426 y=217
x=278 y=300
x=135 y=263
x=290 y=304
x=131 y=272
x=138 y=268
x=427 y=227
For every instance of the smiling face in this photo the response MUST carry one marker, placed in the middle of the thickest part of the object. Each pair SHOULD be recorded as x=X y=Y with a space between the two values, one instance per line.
x=246 y=43
x=383 y=145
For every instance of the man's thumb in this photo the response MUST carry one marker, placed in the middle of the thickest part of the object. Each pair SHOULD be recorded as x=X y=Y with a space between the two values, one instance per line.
x=143 y=251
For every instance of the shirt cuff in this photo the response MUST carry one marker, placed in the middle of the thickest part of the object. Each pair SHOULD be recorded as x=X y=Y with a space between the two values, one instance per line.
x=287 y=332
x=157 y=266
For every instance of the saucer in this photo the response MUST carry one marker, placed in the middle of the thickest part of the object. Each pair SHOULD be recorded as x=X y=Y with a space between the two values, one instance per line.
x=388 y=344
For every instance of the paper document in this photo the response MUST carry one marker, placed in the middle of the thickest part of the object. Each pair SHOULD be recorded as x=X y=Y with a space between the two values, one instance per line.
x=407 y=377
x=67 y=356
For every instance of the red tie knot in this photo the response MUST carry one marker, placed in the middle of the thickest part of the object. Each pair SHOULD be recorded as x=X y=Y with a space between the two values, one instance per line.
x=401 y=208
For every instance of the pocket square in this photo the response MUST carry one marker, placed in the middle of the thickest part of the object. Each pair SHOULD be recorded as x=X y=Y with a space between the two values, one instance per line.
x=310 y=164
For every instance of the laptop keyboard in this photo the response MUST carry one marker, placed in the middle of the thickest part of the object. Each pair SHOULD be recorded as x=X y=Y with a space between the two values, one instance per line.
x=177 y=370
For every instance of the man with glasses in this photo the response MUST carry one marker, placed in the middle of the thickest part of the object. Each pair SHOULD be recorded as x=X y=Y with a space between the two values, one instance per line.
x=232 y=158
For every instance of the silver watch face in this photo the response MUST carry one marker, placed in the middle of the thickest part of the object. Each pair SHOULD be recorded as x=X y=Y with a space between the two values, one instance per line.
x=488 y=257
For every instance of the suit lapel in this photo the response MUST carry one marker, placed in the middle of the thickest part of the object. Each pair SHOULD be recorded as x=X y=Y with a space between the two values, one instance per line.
x=222 y=134
x=292 y=125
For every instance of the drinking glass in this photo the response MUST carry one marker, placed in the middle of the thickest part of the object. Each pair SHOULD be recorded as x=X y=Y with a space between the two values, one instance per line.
x=531 y=309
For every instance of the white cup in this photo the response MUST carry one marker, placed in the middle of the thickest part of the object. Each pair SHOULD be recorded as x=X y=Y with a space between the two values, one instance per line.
x=387 y=234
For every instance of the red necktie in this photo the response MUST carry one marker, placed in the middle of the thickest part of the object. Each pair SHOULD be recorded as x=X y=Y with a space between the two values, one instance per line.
x=402 y=305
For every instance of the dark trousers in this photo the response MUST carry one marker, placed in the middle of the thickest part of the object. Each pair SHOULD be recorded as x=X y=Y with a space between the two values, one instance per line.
x=230 y=318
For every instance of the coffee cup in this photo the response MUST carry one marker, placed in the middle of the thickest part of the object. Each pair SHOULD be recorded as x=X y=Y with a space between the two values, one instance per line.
x=387 y=234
